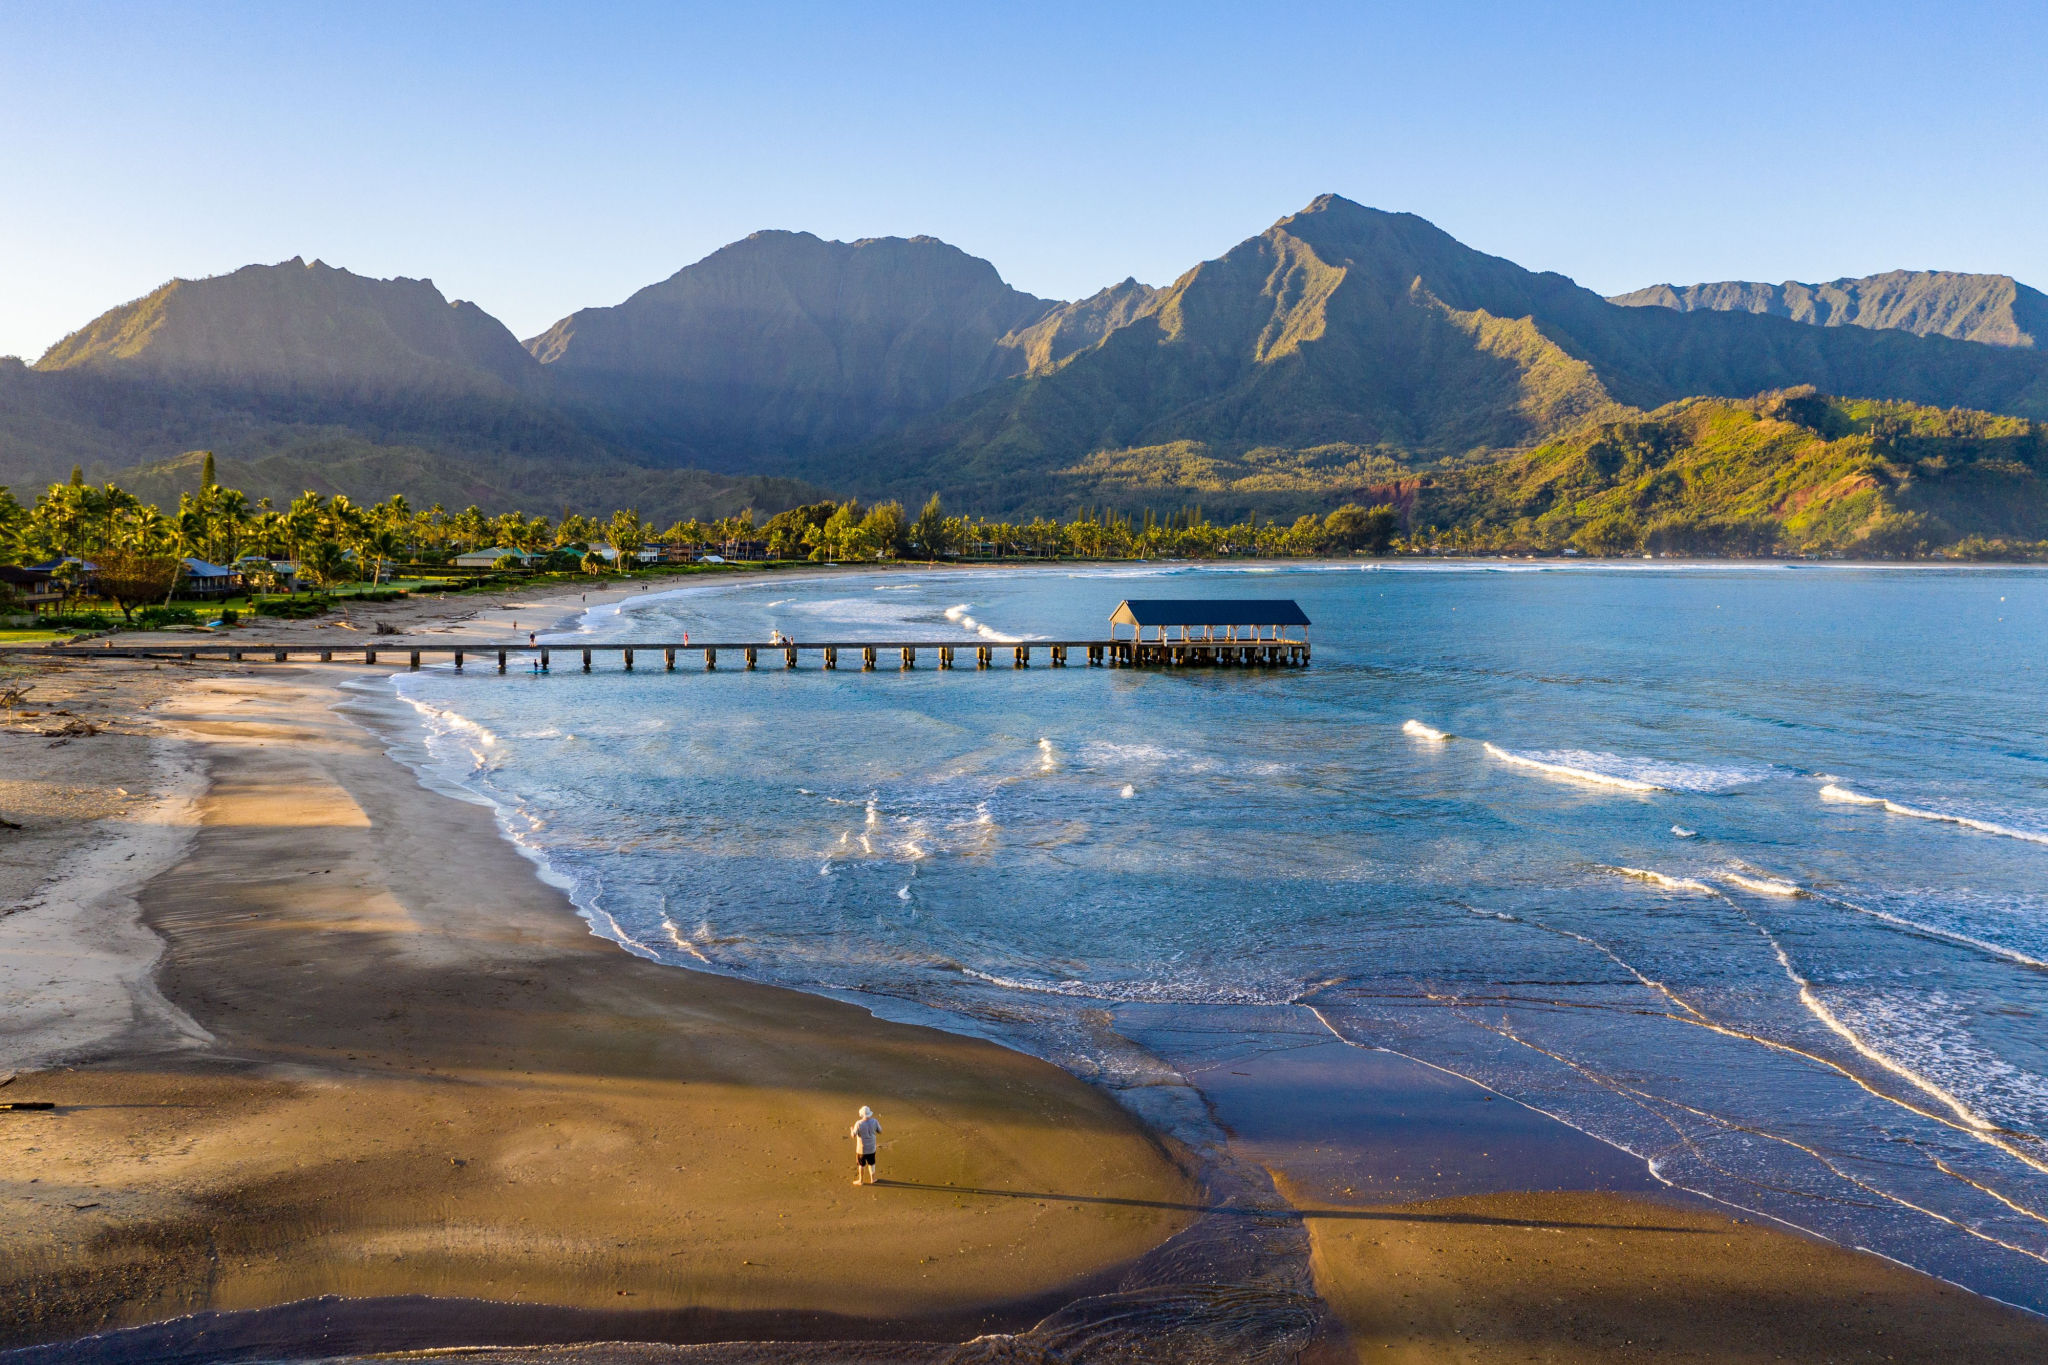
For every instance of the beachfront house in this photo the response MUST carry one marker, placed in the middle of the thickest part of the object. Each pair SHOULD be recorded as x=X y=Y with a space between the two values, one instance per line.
x=488 y=557
x=208 y=582
x=31 y=587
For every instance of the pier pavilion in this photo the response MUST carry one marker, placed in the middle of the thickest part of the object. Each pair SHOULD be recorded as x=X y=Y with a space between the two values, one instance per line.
x=1209 y=630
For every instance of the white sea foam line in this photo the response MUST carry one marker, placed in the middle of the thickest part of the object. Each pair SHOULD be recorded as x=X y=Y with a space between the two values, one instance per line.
x=1947 y=935
x=1643 y=874
x=1978 y=1129
x=1765 y=886
x=1571 y=774
x=1648 y=1103
x=684 y=941
x=1842 y=795
x=1420 y=731
x=1967 y=1120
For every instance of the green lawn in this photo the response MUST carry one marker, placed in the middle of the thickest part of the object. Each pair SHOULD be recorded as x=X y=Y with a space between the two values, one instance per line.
x=32 y=637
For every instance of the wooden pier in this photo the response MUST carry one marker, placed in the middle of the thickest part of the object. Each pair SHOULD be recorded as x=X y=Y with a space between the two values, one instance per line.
x=864 y=655
x=1185 y=632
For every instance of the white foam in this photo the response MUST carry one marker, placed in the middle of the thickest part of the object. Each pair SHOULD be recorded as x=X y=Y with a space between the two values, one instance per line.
x=1128 y=791
x=1568 y=771
x=1682 y=832
x=1418 y=730
x=1936 y=931
x=1643 y=874
x=1627 y=772
x=1762 y=885
x=1842 y=795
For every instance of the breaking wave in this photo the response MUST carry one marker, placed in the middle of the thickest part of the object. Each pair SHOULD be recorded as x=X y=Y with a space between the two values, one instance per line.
x=1643 y=874
x=1626 y=773
x=1418 y=730
x=1842 y=795
x=1763 y=885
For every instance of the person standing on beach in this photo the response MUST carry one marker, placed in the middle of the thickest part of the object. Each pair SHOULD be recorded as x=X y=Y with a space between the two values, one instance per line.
x=864 y=1134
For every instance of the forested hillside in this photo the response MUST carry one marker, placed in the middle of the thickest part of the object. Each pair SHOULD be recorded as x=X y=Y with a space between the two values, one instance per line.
x=1794 y=472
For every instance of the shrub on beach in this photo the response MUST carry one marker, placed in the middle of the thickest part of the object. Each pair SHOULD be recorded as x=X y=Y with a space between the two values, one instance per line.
x=293 y=608
x=156 y=618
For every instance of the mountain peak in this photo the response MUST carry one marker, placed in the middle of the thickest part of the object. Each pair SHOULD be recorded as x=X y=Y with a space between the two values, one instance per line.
x=268 y=325
x=786 y=340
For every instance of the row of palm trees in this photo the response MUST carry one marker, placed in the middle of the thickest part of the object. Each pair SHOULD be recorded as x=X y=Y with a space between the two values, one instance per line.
x=331 y=539
x=335 y=539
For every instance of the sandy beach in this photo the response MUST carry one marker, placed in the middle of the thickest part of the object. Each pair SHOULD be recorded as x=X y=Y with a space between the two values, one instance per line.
x=314 y=1030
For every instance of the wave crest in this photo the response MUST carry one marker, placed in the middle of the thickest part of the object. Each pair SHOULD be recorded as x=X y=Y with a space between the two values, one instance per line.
x=1842 y=795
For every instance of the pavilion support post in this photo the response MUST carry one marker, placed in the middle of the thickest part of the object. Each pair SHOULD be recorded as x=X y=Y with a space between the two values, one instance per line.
x=710 y=658
x=628 y=659
x=326 y=656
x=750 y=656
x=586 y=661
x=789 y=656
x=458 y=661
x=501 y=661
x=369 y=656
x=867 y=658
x=414 y=660
x=668 y=659
x=831 y=657
x=909 y=657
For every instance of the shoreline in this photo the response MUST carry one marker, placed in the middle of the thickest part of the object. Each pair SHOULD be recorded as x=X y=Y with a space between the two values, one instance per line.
x=403 y=1097
x=1351 y=1270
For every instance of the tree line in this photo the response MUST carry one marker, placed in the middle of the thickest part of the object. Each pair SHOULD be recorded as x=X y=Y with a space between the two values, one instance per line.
x=137 y=549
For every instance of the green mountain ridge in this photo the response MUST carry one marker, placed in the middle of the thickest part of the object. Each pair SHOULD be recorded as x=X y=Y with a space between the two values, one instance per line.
x=1996 y=310
x=1344 y=326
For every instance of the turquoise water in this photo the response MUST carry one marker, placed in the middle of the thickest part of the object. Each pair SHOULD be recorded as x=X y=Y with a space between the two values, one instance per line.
x=1742 y=869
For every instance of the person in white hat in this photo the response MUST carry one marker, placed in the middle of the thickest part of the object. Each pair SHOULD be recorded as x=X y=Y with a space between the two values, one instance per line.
x=864 y=1134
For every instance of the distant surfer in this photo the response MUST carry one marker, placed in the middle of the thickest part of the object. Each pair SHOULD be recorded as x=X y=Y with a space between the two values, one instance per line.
x=864 y=1134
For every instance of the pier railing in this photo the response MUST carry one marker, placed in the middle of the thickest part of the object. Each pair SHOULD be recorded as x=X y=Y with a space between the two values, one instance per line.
x=864 y=654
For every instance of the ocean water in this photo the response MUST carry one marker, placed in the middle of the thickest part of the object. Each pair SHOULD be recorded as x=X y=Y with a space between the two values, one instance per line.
x=1743 y=870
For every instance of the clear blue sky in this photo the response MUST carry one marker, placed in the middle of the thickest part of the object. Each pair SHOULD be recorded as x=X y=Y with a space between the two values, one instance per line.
x=539 y=158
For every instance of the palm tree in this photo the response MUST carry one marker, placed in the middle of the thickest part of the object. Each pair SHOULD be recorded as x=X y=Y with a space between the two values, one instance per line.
x=383 y=546
x=327 y=562
x=627 y=534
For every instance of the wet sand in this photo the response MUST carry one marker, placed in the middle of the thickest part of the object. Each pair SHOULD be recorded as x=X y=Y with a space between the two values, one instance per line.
x=1450 y=1224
